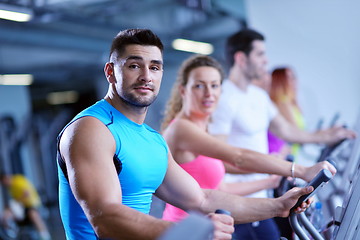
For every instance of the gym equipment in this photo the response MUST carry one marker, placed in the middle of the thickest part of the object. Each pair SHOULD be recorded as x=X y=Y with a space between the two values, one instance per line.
x=285 y=184
x=340 y=198
x=196 y=226
x=327 y=150
x=347 y=216
x=318 y=182
x=222 y=211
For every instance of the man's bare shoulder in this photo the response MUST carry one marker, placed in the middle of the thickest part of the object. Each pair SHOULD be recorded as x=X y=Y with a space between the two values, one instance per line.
x=85 y=133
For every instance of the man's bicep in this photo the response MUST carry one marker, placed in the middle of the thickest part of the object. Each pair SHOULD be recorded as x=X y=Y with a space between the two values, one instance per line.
x=88 y=149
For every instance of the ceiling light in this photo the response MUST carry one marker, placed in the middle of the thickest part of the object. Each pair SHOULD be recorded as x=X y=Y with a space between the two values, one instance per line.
x=15 y=13
x=16 y=79
x=66 y=97
x=192 y=46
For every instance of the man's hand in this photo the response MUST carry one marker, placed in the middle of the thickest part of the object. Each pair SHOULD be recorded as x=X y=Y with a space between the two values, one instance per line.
x=290 y=198
x=333 y=135
x=311 y=172
x=223 y=226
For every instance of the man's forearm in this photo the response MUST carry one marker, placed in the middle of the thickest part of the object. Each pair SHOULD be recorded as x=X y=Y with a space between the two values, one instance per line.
x=127 y=223
x=293 y=134
x=243 y=210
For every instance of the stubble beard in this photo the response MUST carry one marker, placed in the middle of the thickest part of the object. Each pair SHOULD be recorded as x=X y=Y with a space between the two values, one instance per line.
x=137 y=101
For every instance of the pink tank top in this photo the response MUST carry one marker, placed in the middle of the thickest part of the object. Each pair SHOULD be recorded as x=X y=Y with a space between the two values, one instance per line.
x=208 y=172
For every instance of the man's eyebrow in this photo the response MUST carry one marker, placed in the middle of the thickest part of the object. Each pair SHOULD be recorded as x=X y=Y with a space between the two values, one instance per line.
x=134 y=57
x=205 y=81
x=157 y=62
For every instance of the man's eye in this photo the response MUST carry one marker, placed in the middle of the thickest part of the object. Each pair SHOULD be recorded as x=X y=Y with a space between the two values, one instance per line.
x=134 y=66
x=199 y=86
x=155 y=68
x=215 y=85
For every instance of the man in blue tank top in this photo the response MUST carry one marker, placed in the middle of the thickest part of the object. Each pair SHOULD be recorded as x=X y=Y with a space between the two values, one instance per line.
x=110 y=162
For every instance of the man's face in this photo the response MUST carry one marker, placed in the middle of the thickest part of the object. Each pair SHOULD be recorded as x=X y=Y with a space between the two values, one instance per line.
x=256 y=61
x=138 y=72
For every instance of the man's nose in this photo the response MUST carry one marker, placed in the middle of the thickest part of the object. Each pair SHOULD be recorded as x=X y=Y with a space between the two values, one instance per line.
x=145 y=75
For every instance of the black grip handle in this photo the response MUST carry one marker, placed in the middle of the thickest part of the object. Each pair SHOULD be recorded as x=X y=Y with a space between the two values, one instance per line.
x=317 y=182
x=326 y=151
x=290 y=158
x=222 y=211
x=331 y=161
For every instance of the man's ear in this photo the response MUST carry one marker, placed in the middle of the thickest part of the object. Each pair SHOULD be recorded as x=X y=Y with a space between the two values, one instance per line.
x=109 y=72
x=239 y=58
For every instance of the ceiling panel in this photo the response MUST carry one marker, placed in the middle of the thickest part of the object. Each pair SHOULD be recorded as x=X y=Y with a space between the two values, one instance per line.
x=68 y=38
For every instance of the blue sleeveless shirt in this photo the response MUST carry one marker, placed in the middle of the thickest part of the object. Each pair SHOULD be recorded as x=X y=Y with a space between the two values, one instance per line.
x=140 y=160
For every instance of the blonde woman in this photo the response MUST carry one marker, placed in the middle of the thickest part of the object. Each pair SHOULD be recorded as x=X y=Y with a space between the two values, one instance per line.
x=194 y=98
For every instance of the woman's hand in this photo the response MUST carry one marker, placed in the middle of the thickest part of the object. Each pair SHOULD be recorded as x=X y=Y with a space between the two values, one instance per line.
x=311 y=172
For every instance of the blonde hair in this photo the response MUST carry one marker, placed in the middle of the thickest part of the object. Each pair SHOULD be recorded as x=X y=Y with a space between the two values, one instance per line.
x=174 y=103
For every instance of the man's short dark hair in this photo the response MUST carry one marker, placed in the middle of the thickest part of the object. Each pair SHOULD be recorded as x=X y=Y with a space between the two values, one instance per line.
x=241 y=41
x=144 y=37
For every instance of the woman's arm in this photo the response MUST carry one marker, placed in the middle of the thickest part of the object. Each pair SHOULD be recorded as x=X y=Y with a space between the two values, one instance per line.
x=290 y=133
x=246 y=188
x=181 y=190
x=186 y=136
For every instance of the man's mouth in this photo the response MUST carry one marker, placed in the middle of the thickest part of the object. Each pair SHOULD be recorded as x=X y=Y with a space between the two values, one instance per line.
x=144 y=88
